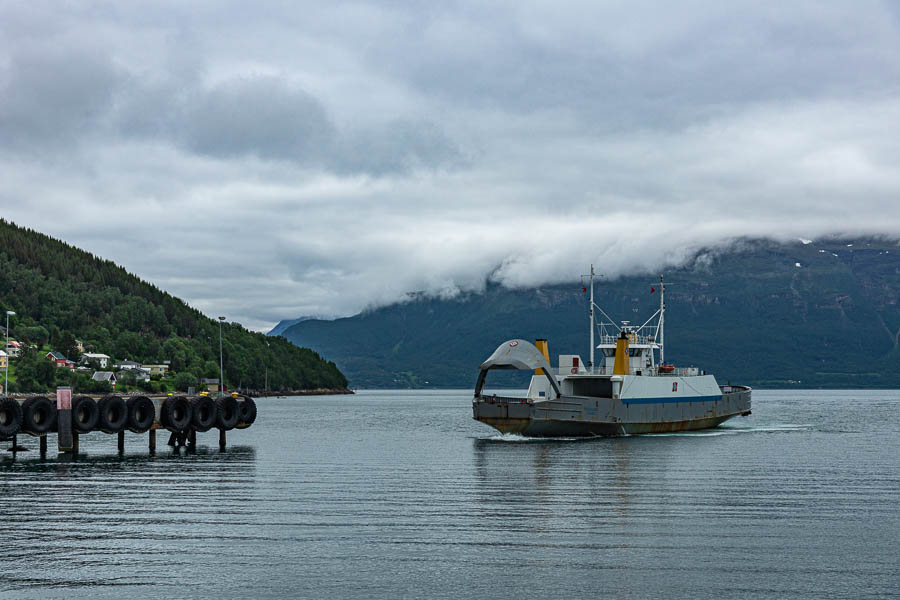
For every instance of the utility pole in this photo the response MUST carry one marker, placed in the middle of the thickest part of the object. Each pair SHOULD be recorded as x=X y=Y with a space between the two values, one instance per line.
x=6 y=382
x=221 y=362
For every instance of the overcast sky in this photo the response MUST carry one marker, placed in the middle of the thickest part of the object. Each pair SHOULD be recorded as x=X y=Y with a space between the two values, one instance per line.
x=267 y=160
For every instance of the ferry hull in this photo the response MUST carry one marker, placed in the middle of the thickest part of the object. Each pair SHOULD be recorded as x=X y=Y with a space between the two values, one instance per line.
x=588 y=417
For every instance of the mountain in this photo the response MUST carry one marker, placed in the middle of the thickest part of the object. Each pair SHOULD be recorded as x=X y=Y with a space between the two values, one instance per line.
x=820 y=314
x=285 y=324
x=60 y=293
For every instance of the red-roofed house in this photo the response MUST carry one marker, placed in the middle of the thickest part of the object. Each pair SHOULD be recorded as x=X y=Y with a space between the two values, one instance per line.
x=60 y=360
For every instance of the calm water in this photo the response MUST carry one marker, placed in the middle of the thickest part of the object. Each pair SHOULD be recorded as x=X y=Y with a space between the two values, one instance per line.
x=402 y=494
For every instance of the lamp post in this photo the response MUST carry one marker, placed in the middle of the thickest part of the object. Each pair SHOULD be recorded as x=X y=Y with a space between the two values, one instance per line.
x=221 y=362
x=6 y=381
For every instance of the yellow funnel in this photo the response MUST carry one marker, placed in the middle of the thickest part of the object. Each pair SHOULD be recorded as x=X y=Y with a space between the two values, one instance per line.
x=622 y=365
x=544 y=347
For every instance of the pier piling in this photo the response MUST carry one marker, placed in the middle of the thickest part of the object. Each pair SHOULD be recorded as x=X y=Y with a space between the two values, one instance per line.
x=152 y=440
x=15 y=445
x=121 y=442
x=67 y=441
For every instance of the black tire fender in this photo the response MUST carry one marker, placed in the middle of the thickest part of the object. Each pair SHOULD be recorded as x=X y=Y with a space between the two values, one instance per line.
x=176 y=414
x=113 y=414
x=141 y=414
x=204 y=413
x=226 y=413
x=84 y=414
x=10 y=417
x=38 y=415
x=246 y=411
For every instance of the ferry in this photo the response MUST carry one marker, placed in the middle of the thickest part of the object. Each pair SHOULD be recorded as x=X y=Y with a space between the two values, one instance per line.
x=628 y=392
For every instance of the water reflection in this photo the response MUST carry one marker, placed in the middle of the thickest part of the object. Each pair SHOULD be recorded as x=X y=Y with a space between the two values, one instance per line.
x=548 y=477
x=31 y=460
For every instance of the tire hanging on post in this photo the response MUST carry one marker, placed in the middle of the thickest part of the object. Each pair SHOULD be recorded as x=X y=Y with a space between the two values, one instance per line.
x=226 y=413
x=38 y=415
x=246 y=411
x=10 y=417
x=112 y=414
x=176 y=414
x=84 y=414
x=204 y=413
x=141 y=414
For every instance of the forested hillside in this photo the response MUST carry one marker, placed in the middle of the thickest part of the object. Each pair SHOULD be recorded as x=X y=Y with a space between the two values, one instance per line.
x=60 y=293
x=822 y=314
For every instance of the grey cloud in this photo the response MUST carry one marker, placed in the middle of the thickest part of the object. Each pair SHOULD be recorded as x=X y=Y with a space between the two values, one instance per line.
x=400 y=146
x=626 y=65
x=53 y=95
x=273 y=160
x=260 y=116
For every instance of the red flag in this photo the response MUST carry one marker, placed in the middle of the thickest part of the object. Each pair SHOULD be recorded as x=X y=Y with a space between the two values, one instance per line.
x=652 y=289
x=583 y=289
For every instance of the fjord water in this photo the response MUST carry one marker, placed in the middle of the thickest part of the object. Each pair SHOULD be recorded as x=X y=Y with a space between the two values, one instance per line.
x=401 y=494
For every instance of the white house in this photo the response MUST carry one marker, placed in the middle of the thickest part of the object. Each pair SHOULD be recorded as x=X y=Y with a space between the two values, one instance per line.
x=101 y=359
x=127 y=364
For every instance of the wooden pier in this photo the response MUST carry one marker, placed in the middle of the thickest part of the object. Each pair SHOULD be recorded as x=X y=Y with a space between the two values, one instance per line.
x=71 y=416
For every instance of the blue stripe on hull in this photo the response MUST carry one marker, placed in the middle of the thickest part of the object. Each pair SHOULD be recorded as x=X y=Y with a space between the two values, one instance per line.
x=670 y=400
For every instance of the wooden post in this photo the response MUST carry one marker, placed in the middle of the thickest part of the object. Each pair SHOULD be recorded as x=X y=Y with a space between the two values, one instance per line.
x=43 y=446
x=222 y=440
x=121 y=442
x=192 y=438
x=152 y=434
x=65 y=439
x=75 y=443
x=15 y=445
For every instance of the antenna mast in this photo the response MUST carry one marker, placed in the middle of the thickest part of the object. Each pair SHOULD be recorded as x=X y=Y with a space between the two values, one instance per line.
x=591 y=362
x=662 y=315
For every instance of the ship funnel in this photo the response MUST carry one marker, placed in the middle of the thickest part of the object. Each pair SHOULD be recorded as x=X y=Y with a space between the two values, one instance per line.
x=544 y=347
x=622 y=364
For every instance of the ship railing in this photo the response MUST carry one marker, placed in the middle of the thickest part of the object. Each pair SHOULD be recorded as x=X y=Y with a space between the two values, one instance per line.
x=602 y=370
x=634 y=338
x=681 y=372
x=729 y=389
x=495 y=399
x=582 y=370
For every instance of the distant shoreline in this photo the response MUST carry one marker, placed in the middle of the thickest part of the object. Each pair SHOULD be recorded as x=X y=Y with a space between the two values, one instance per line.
x=316 y=392
x=251 y=393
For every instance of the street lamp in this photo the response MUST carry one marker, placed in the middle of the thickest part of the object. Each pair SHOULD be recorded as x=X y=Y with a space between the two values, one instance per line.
x=221 y=363
x=6 y=381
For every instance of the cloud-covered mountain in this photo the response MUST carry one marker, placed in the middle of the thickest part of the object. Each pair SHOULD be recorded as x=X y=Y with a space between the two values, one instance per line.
x=817 y=314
